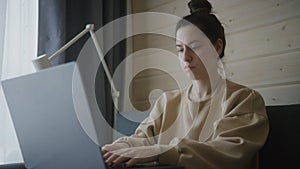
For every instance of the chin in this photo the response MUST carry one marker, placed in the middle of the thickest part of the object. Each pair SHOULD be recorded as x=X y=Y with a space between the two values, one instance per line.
x=191 y=76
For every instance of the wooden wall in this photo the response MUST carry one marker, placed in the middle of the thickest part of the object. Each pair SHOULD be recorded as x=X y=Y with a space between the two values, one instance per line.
x=263 y=47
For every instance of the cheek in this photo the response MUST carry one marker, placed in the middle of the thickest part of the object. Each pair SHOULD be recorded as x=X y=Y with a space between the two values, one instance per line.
x=180 y=58
x=181 y=64
x=179 y=55
x=200 y=52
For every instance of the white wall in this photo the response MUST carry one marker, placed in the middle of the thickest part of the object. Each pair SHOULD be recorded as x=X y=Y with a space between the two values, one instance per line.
x=263 y=44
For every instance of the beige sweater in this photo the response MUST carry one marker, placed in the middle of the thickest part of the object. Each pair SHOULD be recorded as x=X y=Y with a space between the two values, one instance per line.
x=224 y=132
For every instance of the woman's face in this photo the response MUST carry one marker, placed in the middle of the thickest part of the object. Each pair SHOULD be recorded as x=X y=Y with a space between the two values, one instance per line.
x=189 y=46
x=198 y=57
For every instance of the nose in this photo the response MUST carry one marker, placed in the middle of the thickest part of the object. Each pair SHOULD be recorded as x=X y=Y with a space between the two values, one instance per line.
x=187 y=55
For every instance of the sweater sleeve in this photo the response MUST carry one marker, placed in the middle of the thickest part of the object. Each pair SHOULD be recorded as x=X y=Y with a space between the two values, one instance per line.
x=236 y=139
x=147 y=132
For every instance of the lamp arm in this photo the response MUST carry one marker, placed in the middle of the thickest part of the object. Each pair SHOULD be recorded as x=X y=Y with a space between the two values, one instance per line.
x=101 y=57
x=116 y=93
x=71 y=42
x=44 y=62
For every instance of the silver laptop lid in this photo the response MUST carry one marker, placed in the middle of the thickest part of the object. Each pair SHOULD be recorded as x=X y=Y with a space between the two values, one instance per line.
x=49 y=133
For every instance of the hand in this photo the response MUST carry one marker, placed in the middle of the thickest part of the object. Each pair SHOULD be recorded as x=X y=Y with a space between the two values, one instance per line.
x=108 y=148
x=113 y=147
x=133 y=155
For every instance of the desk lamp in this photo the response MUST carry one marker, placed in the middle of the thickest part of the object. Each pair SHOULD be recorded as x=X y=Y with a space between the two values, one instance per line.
x=43 y=62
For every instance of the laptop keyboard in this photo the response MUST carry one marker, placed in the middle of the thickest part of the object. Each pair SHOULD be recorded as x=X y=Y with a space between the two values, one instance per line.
x=122 y=166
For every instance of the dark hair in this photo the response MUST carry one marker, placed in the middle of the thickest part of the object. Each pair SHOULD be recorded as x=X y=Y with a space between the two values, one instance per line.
x=202 y=17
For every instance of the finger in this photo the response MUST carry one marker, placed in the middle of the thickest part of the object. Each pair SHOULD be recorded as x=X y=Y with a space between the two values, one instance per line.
x=132 y=162
x=121 y=152
x=104 y=151
x=112 y=158
x=107 y=155
x=111 y=147
x=120 y=160
x=107 y=147
x=112 y=153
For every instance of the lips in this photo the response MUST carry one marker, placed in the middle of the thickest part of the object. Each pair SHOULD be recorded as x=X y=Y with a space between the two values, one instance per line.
x=189 y=67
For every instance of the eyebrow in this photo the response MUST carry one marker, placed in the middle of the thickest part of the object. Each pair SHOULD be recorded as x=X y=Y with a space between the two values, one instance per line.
x=178 y=45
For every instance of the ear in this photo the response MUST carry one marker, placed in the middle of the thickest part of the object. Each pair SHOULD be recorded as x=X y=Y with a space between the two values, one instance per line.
x=219 y=46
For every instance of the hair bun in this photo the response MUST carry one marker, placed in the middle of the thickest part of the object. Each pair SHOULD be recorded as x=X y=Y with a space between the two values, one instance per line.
x=200 y=6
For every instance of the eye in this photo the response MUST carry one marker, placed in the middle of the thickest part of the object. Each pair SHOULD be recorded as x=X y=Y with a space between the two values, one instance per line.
x=179 y=48
x=194 y=47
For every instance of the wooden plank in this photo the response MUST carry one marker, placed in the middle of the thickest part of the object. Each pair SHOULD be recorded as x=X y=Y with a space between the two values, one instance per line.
x=164 y=41
x=165 y=82
x=144 y=105
x=152 y=41
x=176 y=7
x=180 y=8
x=251 y=14
x=155 y=58
x=263 y=45
x=263 y=41
x=246 y=14
x=273 y=96
x=267 y=36
x=152 y=22
x=276 y=69
x=146 y=89
x=281 y=95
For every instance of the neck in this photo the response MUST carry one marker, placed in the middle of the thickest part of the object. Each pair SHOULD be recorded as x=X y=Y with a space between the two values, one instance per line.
x=202 y=89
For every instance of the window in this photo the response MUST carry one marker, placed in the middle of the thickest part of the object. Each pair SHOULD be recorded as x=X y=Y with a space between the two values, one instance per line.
x=18 y=45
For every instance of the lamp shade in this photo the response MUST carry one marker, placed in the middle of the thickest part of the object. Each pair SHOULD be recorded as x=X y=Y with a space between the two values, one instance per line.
x=41 y=62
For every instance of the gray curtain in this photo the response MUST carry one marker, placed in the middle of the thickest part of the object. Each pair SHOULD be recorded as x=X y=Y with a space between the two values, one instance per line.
x=61 y=20
x=52 y=27
x=112 y=9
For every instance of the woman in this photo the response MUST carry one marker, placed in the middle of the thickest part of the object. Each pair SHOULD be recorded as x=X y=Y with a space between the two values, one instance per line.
x=213 y=123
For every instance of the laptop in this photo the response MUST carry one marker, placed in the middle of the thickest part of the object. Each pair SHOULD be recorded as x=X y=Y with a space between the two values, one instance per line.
x=46 y=124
